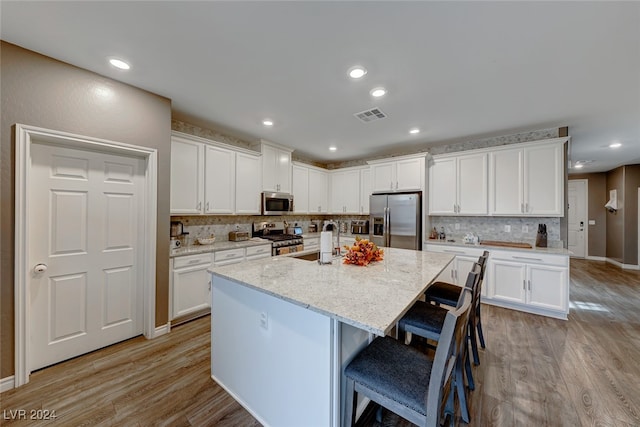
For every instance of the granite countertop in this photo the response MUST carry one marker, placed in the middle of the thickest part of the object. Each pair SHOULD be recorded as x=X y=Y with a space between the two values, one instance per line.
x=217 y=246
x=549 y=251
x=372 y=298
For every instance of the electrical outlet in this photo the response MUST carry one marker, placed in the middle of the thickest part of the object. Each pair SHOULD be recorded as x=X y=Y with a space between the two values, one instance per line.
x=264 y=320
x=507 y=229
x=457 y=226
x=525 y=228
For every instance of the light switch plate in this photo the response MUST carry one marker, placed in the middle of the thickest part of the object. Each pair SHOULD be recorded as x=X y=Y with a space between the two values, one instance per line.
x=592 y=222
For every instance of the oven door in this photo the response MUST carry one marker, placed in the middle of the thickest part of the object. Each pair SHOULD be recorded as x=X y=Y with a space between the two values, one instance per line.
x=276 y=203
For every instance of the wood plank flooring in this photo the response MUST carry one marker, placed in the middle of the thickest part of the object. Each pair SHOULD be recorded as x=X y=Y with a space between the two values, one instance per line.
x=535 y=371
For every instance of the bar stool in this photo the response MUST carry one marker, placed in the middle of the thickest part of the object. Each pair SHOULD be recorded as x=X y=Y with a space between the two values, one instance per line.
x=407 y=381
x=448 y=294
x=427 y=320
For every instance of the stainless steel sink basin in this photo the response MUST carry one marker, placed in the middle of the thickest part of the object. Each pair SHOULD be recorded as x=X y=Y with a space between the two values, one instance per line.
x=313 y=256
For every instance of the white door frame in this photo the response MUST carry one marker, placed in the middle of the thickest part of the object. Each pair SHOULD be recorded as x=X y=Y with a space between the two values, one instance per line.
x=25 y=136
x=586 y=211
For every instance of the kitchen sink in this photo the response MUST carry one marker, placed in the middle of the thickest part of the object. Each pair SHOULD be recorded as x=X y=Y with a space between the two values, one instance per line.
x=313 y=256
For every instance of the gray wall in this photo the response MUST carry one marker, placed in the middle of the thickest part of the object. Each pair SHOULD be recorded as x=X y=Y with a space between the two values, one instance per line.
x=615 y=220
x=631 y=184
x=40 y=91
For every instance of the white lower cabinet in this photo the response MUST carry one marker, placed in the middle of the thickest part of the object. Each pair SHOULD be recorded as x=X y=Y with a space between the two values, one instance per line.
x=191 y=284
x=311 y=243
x=459 y=269
x=533 y=283
x=527 y=281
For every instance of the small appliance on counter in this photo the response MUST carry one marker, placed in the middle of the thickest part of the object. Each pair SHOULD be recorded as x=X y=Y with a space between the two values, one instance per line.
x=360 y=227
x=313 y=227
x=177 y=233
x=238 y=236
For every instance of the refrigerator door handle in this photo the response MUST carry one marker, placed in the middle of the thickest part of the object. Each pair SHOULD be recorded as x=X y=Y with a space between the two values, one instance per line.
x=387 y=237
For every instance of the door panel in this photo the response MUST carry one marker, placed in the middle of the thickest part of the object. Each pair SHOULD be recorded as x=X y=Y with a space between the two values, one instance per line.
x=84 y=220
x=577 y=218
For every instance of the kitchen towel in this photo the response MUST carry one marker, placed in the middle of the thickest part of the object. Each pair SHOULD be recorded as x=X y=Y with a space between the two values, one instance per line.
x=326 y=247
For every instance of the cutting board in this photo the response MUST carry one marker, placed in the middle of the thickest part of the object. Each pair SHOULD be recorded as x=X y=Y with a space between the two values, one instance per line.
x=505 y=244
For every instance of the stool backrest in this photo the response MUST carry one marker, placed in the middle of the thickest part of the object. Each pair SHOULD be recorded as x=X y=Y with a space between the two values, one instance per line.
x=454 y=332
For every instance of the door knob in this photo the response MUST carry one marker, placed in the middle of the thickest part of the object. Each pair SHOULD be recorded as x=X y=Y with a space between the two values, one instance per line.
x=40 y=268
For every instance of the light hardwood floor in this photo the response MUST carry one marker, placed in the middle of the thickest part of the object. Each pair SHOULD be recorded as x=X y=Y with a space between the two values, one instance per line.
x=535 y=371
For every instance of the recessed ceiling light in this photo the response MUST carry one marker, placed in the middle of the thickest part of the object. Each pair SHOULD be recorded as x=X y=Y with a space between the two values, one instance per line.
x=414 y=131
x=615 y=145
x=267 y=122
x=357 y=72
x=333 y=148
x=119 y=63
x=377 y=92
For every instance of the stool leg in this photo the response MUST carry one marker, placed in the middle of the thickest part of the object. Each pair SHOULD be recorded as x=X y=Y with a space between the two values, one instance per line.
x=474 y=343
x=479 y=328
x=350 y=401
x=460 y=391
x=467 y=366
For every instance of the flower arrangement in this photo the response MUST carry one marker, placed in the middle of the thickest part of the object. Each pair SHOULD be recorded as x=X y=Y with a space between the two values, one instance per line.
x=362 y=252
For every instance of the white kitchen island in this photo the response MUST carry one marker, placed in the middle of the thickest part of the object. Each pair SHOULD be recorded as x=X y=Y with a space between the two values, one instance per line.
x=283 y=329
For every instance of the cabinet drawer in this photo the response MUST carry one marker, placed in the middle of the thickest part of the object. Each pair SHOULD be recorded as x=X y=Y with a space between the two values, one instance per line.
x=190 y=260
x=455 y=250
x=531 y=258
x=311 y=243
x=228 y=254
x=258 y=250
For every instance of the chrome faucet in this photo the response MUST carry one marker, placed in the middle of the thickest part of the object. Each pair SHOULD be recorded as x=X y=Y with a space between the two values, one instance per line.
x=336 y=226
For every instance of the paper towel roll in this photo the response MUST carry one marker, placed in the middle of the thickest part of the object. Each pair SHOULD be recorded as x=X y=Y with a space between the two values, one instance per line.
x=326 y=246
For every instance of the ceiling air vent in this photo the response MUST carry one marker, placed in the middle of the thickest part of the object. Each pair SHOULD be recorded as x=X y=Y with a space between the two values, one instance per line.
x=370 y=115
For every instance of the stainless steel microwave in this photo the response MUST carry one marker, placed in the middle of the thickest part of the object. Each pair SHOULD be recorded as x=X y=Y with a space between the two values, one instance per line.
x=276 y=203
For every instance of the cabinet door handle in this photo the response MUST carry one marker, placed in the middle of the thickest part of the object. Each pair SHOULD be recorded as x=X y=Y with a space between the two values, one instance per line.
x=391 y=186
x=209 y=284
x=199 y=206
x=454 y=252
x=529 y=284
x=524 y=284
x=396 y=185
x=526 y=207
x=521 y=207
x=527 y=258
x=207 y=207
x=194 y=261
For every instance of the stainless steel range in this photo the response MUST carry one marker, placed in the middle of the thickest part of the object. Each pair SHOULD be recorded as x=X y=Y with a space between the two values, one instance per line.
x=281 y=243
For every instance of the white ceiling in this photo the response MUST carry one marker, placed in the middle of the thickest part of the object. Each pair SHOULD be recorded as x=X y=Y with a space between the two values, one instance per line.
x=457 y=70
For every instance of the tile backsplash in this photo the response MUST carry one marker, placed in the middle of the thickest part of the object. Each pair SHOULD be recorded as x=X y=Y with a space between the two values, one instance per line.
x=220 y=225
x=493 y=228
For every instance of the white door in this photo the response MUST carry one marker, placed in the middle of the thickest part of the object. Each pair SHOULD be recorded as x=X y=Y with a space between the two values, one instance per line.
x=577 y=199
x=85 y=226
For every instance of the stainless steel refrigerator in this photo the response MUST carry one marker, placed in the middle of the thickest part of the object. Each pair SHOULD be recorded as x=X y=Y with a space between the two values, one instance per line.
x=396 y=220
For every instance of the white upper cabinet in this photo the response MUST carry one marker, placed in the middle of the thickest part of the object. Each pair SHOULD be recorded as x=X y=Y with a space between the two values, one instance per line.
x=187 y=176
x=310 y=189
x=276 y=168
x=318 y=191
x=300 y=188
x=209 y=178
x=365 y=190
x=219 y=182
x=527 y=181
x=458 y=185
x=248 y=180
x=400 y=174
x=345 y=191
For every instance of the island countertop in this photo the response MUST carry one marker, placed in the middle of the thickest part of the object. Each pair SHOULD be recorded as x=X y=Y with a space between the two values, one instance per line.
x=372 y=298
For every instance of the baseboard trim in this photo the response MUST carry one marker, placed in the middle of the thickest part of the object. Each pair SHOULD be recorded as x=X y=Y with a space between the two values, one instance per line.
x=596 y=258
x=7 y=383
x=623 y=266
x=161 y=330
